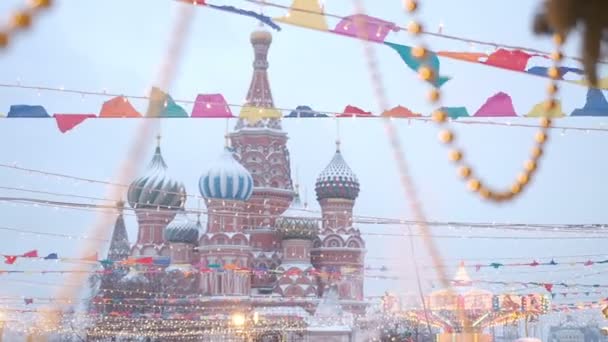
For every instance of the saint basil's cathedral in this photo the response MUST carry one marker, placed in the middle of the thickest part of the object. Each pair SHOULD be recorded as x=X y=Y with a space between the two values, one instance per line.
x=260 y=251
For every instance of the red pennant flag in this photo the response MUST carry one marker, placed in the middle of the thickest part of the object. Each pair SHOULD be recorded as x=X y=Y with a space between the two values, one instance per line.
x=66 y=122
x=145 y=261
x=534 y=263
x=351 y=111
x=31 y=254
x=10 y=259
x=549 y=287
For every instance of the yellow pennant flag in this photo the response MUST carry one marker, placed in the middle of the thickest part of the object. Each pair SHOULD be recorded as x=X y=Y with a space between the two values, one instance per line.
x=306 y=13
x=539 y=110
x=254 y=114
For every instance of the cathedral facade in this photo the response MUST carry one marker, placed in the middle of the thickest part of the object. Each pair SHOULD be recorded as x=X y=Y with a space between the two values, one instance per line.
x=261 y=253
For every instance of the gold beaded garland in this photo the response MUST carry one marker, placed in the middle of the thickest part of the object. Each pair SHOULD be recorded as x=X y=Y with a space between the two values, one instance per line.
x=411 y=5
x=455 y=155
x=464 y=171
x=446 y=136
x=22 y=19
x=439 y=116
x=474 y=185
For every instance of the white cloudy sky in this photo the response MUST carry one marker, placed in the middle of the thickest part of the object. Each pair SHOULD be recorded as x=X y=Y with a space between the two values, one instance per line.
x=117 y=46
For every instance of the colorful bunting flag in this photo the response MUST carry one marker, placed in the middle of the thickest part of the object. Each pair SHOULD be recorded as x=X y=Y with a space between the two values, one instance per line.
x=51 y=256
x=539 y=110
x=211 y=106
x=27 y=111
x=30 y=254
x=432 y=61
x=305 y=13
x=262 y=18
x=400 y=112
x=10 y=259
x=118 y=107
x=365 y=27
x=66 y=122
x=352 y=111
x=499 y=104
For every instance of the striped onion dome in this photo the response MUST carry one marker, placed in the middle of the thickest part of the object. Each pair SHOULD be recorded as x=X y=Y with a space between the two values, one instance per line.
x=337 y=180
x=182 y=229
x=297 y=223
x=155 y=189
x=226 y=179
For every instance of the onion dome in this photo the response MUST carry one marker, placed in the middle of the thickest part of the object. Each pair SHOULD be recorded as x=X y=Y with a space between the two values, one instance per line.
x=261 y=37
x=182 y=229
x=297 y=223
x=155 y=189
x=337 y=180
x=226 y=179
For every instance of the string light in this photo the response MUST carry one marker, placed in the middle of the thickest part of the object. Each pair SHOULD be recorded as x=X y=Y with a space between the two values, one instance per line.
x=470 y=41
x=330 y=114
x=562 y=228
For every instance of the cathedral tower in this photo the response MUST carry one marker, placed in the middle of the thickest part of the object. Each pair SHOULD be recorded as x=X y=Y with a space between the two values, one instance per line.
x=260 y=145
x=226 y=186
x=156 y=198
x=339 y=250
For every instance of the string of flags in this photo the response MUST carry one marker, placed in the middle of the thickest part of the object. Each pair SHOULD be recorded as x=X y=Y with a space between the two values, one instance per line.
x=311 y=15
x=215 y=106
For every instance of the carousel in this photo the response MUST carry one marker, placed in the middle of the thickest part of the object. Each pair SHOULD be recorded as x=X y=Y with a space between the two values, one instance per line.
x=464 y=313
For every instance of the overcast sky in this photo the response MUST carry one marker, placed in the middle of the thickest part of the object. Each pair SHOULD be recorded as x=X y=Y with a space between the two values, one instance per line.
x=118 y=45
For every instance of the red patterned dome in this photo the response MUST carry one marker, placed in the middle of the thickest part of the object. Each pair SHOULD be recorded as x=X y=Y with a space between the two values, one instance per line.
x=337 y=180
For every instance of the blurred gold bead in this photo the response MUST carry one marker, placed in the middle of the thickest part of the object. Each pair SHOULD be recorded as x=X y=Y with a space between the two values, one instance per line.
x=22 y=20
x=411 y=5
x=540 y=137
x=552 y=88
x=474 y=185
x=418 y=52
x=3 y=39
x=553 y=72
x=515 y=188
x=439 y=116
x=455 y=155
x=530 y=165
x=485 y=192
x=414 y=28
x=557 y=56
x=545 y=122
x=40 y=3
x=558 y=39
x=523 y=178
x=434 y=95
x=504 y=196
x=464 y=171
x=425 y=73
x=550 y=104
x=536 y=152
x=446 y=136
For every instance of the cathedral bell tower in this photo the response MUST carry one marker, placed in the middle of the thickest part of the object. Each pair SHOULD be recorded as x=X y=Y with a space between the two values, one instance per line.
x=260 y=145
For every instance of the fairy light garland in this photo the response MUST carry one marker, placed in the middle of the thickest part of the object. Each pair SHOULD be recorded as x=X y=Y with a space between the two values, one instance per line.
x=22 y=20
x=448 y=137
